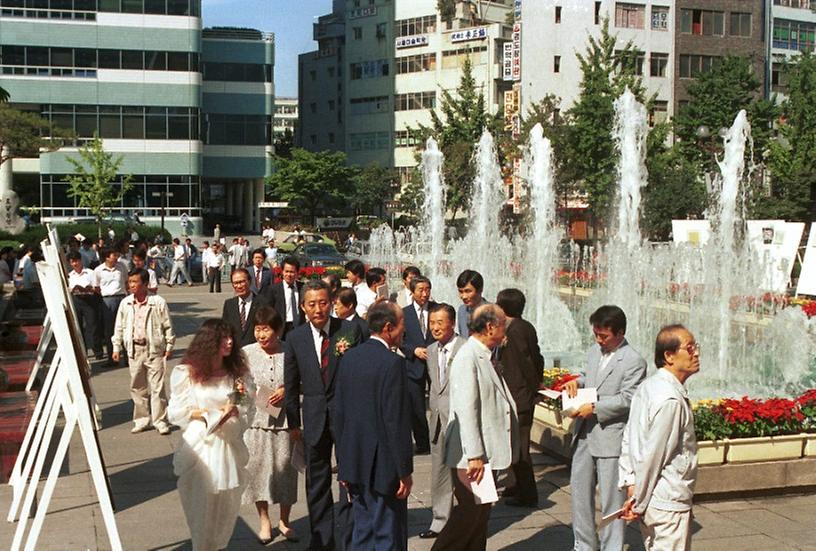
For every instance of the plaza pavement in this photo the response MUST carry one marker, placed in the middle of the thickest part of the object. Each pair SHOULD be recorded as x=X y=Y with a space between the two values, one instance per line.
x=149 y=514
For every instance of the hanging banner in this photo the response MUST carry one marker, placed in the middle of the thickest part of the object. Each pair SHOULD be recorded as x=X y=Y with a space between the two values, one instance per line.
x=516 y=51
x=517 y=188
x=507 y=61
x=517 y=10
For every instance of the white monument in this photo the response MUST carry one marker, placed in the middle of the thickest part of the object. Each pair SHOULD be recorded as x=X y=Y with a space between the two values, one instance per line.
x=10 y=221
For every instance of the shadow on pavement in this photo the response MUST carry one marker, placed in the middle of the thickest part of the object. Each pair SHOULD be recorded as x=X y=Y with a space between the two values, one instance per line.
x=143 y=482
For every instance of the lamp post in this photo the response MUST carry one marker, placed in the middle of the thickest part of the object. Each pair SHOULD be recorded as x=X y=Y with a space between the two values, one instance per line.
x=165 y=195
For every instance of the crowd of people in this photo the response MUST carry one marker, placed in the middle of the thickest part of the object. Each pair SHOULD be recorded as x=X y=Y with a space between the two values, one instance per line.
x=353 y=382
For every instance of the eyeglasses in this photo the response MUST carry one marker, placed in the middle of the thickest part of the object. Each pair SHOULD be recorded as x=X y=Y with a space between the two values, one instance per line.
x=240 y=282
x=693 y=347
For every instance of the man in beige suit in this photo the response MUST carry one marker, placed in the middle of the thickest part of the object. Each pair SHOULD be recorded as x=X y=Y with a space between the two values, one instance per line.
x=482 y=428
x=442 y=323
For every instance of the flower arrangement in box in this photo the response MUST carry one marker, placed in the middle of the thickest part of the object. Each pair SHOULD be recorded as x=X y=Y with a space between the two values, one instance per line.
x=554 y=379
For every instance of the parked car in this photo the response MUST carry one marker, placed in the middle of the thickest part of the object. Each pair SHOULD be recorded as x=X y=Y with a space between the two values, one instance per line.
x=291 y=241
x=319 y=255
x=358 y=249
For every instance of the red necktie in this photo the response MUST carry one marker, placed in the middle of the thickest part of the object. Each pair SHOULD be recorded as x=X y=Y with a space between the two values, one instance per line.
x=257 y=278
x=243 y=315
x=324 y=357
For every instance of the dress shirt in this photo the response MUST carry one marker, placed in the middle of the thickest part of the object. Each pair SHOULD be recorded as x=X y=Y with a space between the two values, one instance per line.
x=215 y=260
x=378 y=339
x=445 y=356
x=153 y=281
x=88 y=255
x=140 y=320
x=409 y=297
x=178 y=253
x=422 y=317
x=205 y=255
x=365 y=298
x=287 y=296
x=257 y=274
x=111 y=281
x=605 y=359
x=317 y=337
x=82 y=279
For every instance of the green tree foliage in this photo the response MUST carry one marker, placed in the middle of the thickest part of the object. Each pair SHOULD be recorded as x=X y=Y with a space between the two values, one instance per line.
x=412 y=195
x=373 y=185
x=792 y=158
x=93 y=184
x=4 y=95
x=447 y=9
x=26 y=134
x=591 y=159
x=284 y=143
x=311 y=181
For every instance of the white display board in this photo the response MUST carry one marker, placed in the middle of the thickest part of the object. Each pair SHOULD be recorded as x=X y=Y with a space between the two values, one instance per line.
x=693 y=232
x=807 y=277
x=775 y=243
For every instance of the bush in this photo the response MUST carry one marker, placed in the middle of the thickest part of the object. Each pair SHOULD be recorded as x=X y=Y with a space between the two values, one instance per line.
x=35 y=234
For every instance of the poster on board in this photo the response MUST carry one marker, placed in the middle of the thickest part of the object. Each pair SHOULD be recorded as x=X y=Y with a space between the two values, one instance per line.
x=807 y=277
x=693 y=232
x=775 y=243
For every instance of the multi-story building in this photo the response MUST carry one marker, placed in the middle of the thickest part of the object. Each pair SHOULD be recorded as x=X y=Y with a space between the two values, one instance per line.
x=286 y=116
x=793 y=30
x=129 y=71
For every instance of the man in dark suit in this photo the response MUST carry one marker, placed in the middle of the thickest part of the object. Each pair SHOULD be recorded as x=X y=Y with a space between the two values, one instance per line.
x=374 y=452
x=260 y=277
x=239 y=311
x=345 y=308
x=415 y=349
x=522 y=368
x=285 y=295
x=312 y=354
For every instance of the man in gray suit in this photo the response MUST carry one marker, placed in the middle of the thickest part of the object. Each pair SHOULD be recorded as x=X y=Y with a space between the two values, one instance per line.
x=442 y=323
x=482 y=428
x=615 y=369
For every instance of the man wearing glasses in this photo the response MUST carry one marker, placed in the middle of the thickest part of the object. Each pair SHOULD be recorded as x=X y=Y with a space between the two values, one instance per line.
x=614 y=369
x=239 y=311
x=658 y=462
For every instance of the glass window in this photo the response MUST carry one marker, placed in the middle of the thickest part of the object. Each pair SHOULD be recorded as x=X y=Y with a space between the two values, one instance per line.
x=84 y=57
x=155 y=123
x=61 y=5
x=740 y=24
x=658 y=65
x=62 y=57
x=660 y=18
x=178 y=7
x=109 y=5
x=86 y=124
x=156 y=61
x=110 y=122
x=155 y=6
x=234 y=71
x=177 y=61
x=132 y=59
x=133 y=123
x=179 y=127
x=132 y=6
x=629 y=15
x=110 y=59
x=63 y=120
x=85 y=5
x=37 y=56
x=12 y=55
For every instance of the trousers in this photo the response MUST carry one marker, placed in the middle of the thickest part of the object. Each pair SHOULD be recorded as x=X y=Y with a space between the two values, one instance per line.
x=666 y=530
x=147 y=388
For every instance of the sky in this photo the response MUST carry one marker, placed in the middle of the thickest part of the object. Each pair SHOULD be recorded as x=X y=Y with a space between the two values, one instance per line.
x=290 y=20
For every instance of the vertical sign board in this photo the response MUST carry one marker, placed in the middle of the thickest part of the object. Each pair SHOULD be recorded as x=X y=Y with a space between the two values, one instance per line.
x=507 y=61
x=517 y=51
x=517 y=185
x=517 y=10
x=693 y=232
x=807 y=277
x=775 y=242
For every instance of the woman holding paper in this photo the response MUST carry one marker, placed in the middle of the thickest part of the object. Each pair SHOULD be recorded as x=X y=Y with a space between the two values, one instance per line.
x=209 y=400
x=272 y=477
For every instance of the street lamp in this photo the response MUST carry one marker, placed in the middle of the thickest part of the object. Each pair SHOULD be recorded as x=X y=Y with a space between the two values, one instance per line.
x=165 y=195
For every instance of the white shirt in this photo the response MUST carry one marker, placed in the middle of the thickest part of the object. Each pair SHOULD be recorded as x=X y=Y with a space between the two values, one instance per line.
x=205 y=254
x=111 y=281
x=365 y=298
x=81 y=279
x=215 y=260
x=408 y=297
x=153 y=282
x=318 y=338
x=178 y=253
x=605 y=359
x=290 y=308
x=234 y=252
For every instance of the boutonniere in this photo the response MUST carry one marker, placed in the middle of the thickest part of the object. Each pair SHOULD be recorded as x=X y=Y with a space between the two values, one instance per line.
x=341 y=345
x=239 y=392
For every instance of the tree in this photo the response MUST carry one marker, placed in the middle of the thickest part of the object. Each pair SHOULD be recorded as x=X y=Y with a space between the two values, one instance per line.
x=26 y=134
x=309 y=181
x=373 y=185
x=94 y=185
x=591 y=160
x=458 y=130
x=4 y=95
x=284 y=144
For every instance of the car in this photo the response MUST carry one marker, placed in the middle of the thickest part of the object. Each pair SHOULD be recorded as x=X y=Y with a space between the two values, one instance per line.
x=319 y=255
x=358 y=249
x=290 y=242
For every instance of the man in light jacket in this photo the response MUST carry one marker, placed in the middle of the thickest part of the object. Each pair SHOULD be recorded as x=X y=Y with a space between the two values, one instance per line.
x=658 y=462
x=482 y=428
x=144 y=330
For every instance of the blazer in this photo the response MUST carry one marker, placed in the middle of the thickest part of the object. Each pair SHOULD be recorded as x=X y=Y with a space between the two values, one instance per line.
x=275 y=297
x=266 y=281
x=232 y=315
x=363 y=325
x=372 y=422
x=522 y=363
x=439 y=401
x=616 y=385
x=416 y=368
x=483 y=420
x=301 y=375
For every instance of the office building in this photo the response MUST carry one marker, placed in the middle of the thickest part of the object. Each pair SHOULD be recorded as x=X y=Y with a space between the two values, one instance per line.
x=286 y=116
x=792 y=30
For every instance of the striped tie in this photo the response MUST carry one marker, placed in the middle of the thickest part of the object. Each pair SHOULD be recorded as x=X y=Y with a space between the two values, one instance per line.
x=324 y=357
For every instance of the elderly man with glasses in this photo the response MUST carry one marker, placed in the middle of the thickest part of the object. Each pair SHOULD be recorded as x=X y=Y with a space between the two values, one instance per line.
x=239 y=311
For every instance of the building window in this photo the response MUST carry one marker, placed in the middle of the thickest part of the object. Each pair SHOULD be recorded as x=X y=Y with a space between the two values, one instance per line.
x=313 y=75
x=330 y=70
x=236 y=72
x=382 y=30
x=702 y=22
x=331 y=105
x=557 y=64
x=414 y=100
x=357 y=33
x=415 y=25
x=630 y=16
x=557 y=15
x=693 y=65
x=130 y=122
x=631 y=60
x=658 y=64
x=416 y=63
x=660 y=18
x=597 y=13
x=230 y=129
x=369 y=105
x=405 y=138
x=313 y=139
x=801 y=4
x=740 y=24
x=794 y=35
x=313 y=108
x=369 y=69
x=365 y=141
x=659 y=113
x=331 y=137
x=453 y=59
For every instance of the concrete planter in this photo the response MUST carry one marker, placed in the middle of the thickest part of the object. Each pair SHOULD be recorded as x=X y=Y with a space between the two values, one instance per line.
x=764 y=448
x=810 y=445
x=711 y=452
x=552 y=416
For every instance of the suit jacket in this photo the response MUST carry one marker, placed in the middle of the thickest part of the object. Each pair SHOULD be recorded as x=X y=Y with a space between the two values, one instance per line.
x=616 y=385
x=373 y=427
x=483 y=420
x=301 y=375
x=439 y=398
x=275 y=297
x=416 y=368
x=231 y=314
x=266 y=281
x=522 y=364
x=363 y=325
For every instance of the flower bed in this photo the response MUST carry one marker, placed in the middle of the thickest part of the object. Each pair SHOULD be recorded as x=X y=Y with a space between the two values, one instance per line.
x=309 y=272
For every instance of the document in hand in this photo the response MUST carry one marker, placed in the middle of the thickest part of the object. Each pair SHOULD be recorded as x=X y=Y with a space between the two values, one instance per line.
x=610 y=518
x=551 y=394
x=483 y=492
x=583 y=396
x=215 y=418
x=262 y=400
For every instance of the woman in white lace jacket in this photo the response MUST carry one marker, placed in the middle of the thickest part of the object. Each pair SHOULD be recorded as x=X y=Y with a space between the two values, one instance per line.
x=209 y=399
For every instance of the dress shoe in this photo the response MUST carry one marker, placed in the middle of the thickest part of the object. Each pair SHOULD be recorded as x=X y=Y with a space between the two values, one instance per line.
x=428 y=535
x=516 y=502
x=140 y=428
x=163 y=429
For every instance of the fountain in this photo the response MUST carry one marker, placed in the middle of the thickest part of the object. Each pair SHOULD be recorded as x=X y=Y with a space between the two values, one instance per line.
x=433 y=210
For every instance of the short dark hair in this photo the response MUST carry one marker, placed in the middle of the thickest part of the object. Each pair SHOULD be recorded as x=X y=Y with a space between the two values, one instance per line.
x=444 y=307
x=176 y=241
x=73 y=255
x=373 y=275
x=106 y=252
x=314 y=285
x=512 y=301
x=139 y=253
x=381 y=313
x=292 y=261
x=143 y=274
x=417 y=280
x=267 y=315
x=347 y=297
x=481 y=316
x=410 y=270
x=610 y=317
x=356 y=267
x=470 y=276
x=333 y=280
x=258 y=251
x=667 y=341
x=240 y=271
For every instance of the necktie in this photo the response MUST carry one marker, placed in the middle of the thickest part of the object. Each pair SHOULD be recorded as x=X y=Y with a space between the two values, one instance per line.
x=292 y=302
x=443 y=366
x=243 y=315
x=422 y=322
x=257 y=278
x=324 y=357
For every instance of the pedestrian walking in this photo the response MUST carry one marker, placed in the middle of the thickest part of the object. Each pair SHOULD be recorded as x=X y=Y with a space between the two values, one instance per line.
x=179 y=263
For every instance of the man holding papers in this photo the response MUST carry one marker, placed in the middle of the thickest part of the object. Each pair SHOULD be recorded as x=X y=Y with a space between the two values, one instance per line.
x=613 y=370
x=482 y=432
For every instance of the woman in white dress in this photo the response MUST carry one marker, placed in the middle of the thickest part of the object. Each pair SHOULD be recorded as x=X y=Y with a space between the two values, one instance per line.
x=272 y=477
x=209 y=400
